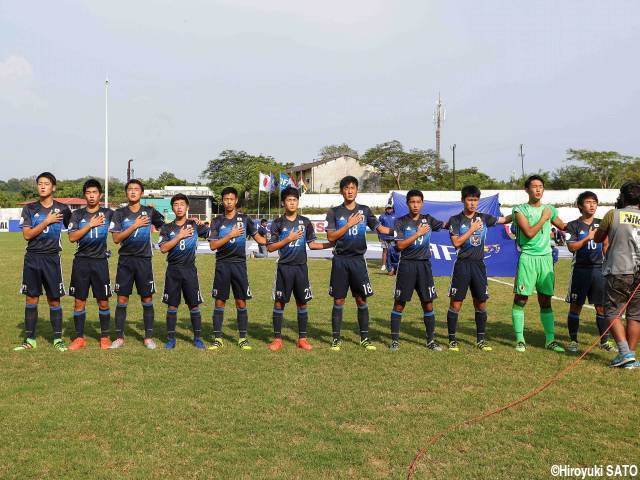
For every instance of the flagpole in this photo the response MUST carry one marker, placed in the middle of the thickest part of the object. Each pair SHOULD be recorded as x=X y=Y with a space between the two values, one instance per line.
x=258 y=202
x=270 y=188
x=106 y=143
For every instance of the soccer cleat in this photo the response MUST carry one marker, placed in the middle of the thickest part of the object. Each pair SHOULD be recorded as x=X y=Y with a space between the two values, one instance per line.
x=484 y=346
x=555 y=346
x=572 y=347
x=117 y=343
x=170 y=344
x=59 y=345
x=199 y=343
x=77 y=344
x=608 y=346
x=243 y=343
x=336 y=343
x=149 y=344
x=28 y=344
x=367 y=345
x=395 y=345
x=631 y=365
x=453 y=346
x=304 y=344
x=520 y=347
x=275 y=345
x=622 y=359
x=105 y=343
x=217 y=344
x=435 y=346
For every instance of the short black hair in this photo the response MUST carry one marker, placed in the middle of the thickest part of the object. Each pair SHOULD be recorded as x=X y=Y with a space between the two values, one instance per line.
x=262 y=220
x=629 y=195
x=348 y=180
x=49 y=176
x=179 y=196
x=528 y=181
x=227 y=191
x=289 y=192
x=583 y=196
x=414 y=193
x=91 y=183
x=132 y=182
x=470 y=191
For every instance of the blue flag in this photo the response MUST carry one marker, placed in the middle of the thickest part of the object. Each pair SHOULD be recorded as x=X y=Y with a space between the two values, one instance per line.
x=501 y=255
x=284 y=181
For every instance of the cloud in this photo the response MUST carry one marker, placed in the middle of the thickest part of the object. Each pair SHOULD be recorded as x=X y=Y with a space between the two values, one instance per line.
x=17 y=83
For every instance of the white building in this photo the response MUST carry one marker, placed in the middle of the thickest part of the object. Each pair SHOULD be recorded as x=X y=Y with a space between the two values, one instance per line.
x=323 y=176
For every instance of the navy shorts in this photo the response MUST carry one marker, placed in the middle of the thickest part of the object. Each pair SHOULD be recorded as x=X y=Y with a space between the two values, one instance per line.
x=586 y=283
x=292 y=279
x=469 y=275
x=228 y=276
x=349 y=273
x=90 y=273
x=181 y=281
x=136 y=270
x=42 y=270
x=414 y=275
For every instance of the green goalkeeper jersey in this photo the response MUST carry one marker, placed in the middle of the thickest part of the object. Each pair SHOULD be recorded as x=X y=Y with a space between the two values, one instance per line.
x=540 y=244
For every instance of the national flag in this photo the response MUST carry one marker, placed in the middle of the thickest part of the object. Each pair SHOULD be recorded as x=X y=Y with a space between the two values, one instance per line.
x=302 y=186
x=274 y=182
x=265 y=183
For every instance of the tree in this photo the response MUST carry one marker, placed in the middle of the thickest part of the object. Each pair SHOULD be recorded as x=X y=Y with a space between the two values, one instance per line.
x=238 y=169
x=391 y=161
x=164 y=179
x=609 y=168
x=329 y=152
x=572 y=176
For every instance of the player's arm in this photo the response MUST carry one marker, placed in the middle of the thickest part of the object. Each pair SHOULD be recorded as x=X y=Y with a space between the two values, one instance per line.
x=335 y=235
x=184 y=232
x=559 y=223
x=575 y=245
x=236 y=231
x=401 y=244
x=504 y=220
x=30 y=233
x=458 y=240
x=294 y=235
x=96 y=221
x=385 y=230
x=605 y=246
x=141 y=221
x=531 y=231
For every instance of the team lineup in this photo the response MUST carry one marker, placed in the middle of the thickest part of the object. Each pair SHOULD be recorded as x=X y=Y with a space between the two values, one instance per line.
x=605 y=266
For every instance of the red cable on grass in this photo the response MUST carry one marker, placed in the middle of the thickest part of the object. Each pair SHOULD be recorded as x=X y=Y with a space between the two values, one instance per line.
x=525 y=397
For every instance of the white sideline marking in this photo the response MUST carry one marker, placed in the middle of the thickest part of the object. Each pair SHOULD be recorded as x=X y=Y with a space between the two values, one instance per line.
x=554 y=297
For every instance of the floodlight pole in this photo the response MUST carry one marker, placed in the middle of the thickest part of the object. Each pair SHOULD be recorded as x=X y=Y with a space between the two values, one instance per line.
x=106 y=143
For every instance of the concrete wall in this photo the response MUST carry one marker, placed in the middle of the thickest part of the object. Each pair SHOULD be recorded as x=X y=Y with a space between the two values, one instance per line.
x=325 y=177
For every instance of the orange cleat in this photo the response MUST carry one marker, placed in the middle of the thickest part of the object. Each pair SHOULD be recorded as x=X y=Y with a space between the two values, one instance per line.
x=275 y=345
x=105 y=343
x=304 y=344
x=78 y=343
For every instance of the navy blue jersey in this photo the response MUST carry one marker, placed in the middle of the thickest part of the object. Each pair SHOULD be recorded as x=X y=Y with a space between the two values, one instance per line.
x=139 y=242
x=421 y=247
x=48 y=241
x=293 y=253
x=93 y=244
x=473 y=247
x=235 y=249
x=354 y=241
x=590 y=255
x=183 y=254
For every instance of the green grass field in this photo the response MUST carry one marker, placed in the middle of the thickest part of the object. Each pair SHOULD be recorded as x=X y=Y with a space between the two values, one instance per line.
x=185 y=413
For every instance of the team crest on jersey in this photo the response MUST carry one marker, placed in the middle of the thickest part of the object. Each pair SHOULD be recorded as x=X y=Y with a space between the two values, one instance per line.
x=143 y=213
x=475 y=240
x=36 y=215
x=300 y=222
x=56 y=210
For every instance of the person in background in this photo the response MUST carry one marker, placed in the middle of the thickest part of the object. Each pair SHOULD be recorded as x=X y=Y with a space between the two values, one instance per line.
x=263 y=229
x=387 y=219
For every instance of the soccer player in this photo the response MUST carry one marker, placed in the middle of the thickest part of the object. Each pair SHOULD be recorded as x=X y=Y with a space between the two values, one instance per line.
x=387 y=219
x=586 y=281
x=290 y=235
x=180 y=240
x=228 y=236
x=468 y=231
x=535 y=265
x=621 y=269
x=346 y=228
x=41 y=224
x=131 y=228
x=89 y=228
x=413 y=238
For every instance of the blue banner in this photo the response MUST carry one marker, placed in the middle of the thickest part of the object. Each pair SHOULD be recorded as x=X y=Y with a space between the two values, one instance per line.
x=501 y=256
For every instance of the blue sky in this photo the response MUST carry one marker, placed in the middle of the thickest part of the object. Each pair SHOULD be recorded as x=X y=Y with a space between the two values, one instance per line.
x=189 y=79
